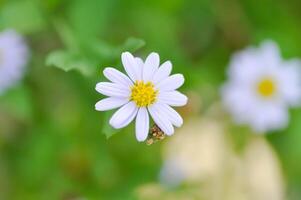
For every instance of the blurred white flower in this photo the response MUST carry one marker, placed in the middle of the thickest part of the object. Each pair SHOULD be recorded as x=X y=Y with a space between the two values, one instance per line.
x=261 y=87
x=148 y=88
x=203 y=158
x=195 y=154
x=13 y=58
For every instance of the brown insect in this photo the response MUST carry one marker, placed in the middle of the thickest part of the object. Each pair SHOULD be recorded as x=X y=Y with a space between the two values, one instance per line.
x=155 y=134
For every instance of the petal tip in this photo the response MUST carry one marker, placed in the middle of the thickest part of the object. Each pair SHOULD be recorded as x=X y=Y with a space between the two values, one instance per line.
x=113 y=124
x=154 y=54
x=168 y=62
x=180 y=124
x=170 y=133
x=97 y=107
x=107 y=69
x=140 y=139
x=126 y=54
x=181 y=76
x=153 y=57
x=185 y=100
x=97 y=86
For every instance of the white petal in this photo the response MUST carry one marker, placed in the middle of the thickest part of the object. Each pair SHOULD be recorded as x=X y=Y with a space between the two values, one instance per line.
x=172 y=115
x=173 y=82
x=269 y=116
x=110 y=103
x=124 y=115
x=161 y=119
x=269 y=53
x=163 y=72
x=112 y=89
x=130 y=65
x=140 y=64
x=290 y=82
x=151 y=65
x=173 y=98
x=117 y=77
x=243 y=97
x=245 y=66
x=142 y=124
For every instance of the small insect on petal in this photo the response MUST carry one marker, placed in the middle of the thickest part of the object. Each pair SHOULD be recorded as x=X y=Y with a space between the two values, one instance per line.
x=145 y=92
x=155 y=135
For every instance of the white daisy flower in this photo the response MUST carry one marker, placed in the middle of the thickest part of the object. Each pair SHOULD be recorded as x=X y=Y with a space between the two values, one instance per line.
x=13 y=58
x=148 y=89
x=261 y=87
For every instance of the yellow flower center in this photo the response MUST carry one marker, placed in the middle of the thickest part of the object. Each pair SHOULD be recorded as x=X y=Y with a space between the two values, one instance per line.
x=266 y=87
x=143 y=94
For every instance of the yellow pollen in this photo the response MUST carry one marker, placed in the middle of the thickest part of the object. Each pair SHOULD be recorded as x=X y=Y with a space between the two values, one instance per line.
x=143 y=94
x=266 y=88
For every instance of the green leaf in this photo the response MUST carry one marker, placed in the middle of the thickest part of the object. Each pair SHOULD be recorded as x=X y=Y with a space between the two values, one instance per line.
x=132 y=44
x=68 y=61
x=101 y=50
x=107 y=52
x=95 y=51
x=107 y=129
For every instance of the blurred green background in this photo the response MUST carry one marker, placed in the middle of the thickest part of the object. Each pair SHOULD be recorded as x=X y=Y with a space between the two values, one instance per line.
x=52 y=141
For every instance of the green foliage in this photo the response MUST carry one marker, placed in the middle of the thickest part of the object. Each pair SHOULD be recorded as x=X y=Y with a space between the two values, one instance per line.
x=24 y=16
x=71 y=61
x=96 y=13
x=18 y=102
x=88 y=65
x=107 y=129
x=53 y=143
